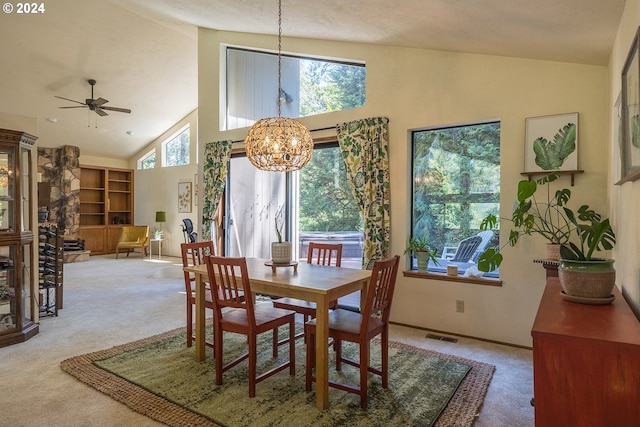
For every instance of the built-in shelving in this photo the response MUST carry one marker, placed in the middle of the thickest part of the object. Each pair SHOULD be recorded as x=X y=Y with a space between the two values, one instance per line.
x=106 y=203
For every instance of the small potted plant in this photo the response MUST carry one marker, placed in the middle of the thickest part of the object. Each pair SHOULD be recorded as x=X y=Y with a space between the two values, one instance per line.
x=422 y=251
x=280 y=250
x=157 y=234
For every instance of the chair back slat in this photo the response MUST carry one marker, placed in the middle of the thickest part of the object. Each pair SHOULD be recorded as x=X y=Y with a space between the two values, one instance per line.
x=194 y=254
x=230 y=284
x=323 y=253
x=380 y=290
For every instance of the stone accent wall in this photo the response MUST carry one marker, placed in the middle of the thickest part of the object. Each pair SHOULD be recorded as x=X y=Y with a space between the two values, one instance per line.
x=61 y=168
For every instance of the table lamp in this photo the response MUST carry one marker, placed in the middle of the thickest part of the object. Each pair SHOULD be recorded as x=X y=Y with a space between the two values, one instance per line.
x=161 y=217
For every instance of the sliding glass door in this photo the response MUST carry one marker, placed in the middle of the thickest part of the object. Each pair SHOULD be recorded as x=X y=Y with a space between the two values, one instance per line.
x=252 y=202
x=317 y=202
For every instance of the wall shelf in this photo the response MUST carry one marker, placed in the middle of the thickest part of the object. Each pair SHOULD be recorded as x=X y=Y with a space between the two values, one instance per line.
x=542 y=173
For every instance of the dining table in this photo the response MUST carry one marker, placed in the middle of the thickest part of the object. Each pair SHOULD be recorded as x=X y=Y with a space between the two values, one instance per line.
x=310 y=282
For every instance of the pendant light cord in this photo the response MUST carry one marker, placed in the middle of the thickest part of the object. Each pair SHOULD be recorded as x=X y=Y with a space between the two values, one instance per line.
x=279 y=54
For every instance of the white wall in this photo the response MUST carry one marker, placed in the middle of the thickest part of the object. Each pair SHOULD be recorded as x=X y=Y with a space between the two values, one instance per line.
x=157 y=189
x=625 y=198
x=418 y=88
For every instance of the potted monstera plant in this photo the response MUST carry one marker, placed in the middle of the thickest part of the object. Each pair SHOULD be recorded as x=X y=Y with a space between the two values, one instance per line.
x=581 y=234
x=419 y=246
x=543 y=214
x=582 y=274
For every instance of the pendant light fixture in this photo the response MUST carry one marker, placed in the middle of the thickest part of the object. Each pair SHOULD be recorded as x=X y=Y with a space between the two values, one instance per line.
x=279 y=144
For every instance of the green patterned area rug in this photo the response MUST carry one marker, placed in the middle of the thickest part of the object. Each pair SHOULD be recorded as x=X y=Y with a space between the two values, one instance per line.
x=159 y=377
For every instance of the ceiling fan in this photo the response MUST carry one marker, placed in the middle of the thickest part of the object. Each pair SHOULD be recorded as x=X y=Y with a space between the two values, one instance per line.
x=96 y=105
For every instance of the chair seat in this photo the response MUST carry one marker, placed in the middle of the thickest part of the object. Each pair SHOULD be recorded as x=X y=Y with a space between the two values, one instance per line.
x=349 y=322
x=265 y=316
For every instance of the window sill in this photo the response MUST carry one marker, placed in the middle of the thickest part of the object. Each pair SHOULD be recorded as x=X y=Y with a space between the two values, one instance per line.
x=444 y=277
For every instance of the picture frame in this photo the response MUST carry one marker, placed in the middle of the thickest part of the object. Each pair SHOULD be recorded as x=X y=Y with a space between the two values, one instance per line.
x=184 y=197
x=630 y=114
x=617 y=137
x=195 y=190
x=551 y=143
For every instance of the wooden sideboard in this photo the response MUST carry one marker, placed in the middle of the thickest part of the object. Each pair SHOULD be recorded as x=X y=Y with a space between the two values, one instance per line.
x=586 y=362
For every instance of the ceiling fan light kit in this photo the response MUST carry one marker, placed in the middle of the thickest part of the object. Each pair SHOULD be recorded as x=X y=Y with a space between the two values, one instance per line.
x=93 y=104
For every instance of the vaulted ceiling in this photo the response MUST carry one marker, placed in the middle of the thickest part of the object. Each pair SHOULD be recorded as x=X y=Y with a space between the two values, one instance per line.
x=143 y=53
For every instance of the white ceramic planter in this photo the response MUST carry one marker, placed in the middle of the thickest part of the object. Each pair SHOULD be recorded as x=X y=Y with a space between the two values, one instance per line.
x=281 y=252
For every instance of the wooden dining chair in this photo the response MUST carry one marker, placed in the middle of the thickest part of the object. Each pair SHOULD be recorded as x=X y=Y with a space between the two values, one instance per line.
x=360 y=328
x=318 y=253
x=195 y=254
x=233 y=313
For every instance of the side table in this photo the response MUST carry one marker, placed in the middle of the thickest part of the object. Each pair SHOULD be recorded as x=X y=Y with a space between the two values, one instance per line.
x=159 y=247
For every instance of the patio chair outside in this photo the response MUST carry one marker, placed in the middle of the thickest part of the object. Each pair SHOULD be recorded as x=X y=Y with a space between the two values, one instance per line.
x=466 y=249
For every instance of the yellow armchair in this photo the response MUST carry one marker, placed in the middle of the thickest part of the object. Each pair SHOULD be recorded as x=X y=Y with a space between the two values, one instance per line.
x=134 y=236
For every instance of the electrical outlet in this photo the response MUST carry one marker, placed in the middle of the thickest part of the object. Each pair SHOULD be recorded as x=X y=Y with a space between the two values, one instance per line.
x=459 y=306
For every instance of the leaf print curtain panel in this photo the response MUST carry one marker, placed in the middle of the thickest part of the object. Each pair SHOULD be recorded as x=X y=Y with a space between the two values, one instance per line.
x=365 y=149
x=216 y=161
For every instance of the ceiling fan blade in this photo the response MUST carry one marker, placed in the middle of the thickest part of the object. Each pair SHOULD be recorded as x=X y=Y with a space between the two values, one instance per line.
x=78 y=106
x=121 y=110
x=100 y=112
x=67 y=99
x=98 y=102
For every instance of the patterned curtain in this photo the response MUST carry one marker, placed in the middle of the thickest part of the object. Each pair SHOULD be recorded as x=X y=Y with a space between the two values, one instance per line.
x=364 y=144
x=216 y=161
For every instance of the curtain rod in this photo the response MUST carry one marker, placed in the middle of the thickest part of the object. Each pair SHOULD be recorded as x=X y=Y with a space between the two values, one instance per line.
x=310 y=130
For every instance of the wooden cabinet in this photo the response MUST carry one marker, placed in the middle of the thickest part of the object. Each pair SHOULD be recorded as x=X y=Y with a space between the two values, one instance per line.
x=18 y=304
x=113 y=237
x=94 y=238
x=586 y=362
x=106 y=203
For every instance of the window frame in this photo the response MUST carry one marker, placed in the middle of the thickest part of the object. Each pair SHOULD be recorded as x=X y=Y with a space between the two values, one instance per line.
x=145 y=156
x=263 y=105
x=172 y=138
x=439 y=272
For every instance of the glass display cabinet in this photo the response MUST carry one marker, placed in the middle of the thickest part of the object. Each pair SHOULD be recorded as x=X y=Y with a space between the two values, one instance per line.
x=18 y=302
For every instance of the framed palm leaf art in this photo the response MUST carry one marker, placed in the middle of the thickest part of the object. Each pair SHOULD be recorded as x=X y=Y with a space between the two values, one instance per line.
x=551 y=143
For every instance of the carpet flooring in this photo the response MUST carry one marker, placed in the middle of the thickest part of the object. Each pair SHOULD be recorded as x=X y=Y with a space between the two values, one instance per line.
x=158 y=377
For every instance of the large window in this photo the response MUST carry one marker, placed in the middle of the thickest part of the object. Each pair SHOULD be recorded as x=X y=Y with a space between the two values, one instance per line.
x=456 y=183
x=309 y=86
x=176 y=148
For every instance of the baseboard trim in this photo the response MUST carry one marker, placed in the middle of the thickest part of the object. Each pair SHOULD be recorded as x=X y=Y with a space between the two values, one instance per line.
x=461 y=335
